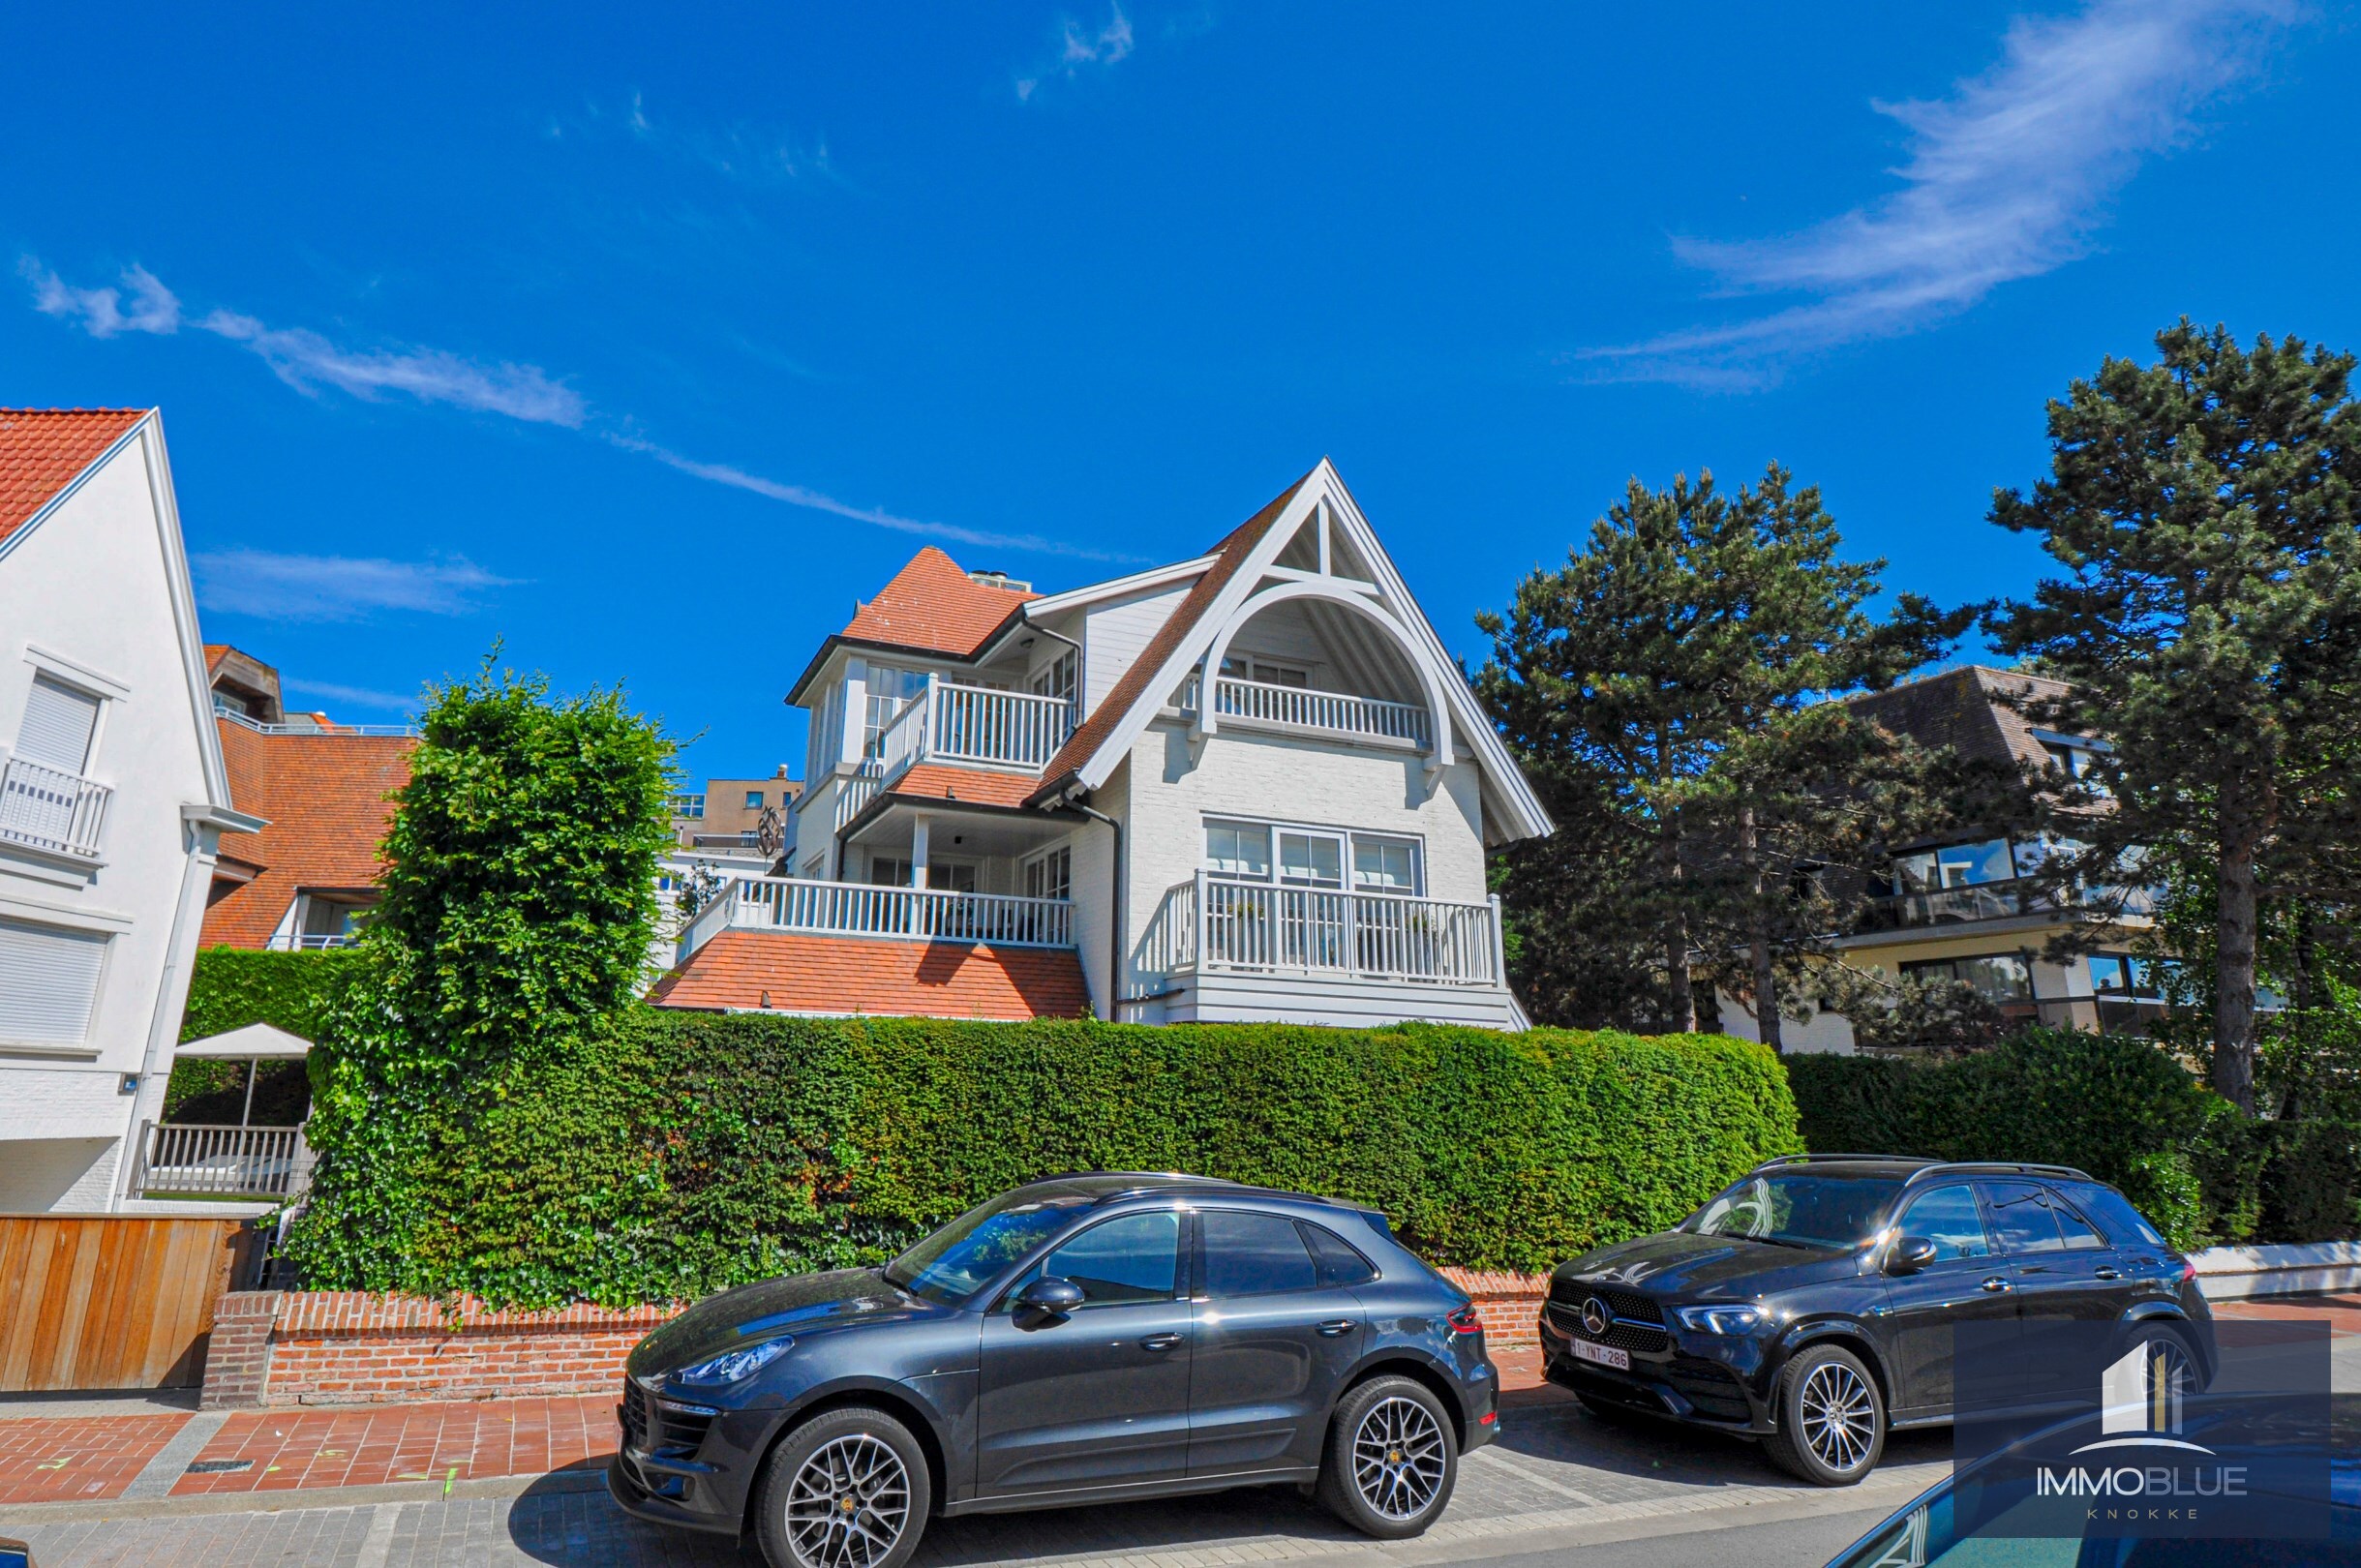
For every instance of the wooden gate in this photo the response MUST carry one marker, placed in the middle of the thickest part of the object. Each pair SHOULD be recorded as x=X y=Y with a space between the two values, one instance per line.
x=111 y=1301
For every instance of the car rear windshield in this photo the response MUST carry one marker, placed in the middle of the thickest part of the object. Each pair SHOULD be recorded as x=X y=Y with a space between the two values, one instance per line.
x=1798 y=1209
x=955 y=1263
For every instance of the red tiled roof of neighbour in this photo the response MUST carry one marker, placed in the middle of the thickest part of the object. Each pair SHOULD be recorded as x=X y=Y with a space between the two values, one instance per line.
x=1228 y=556
x=792 y=971
x=969 y=786
x=933 y=604
x=42 y=450
x=324 y=796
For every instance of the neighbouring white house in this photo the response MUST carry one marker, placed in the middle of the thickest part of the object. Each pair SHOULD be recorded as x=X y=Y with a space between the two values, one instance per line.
x=113 y=798
x=1250 y=785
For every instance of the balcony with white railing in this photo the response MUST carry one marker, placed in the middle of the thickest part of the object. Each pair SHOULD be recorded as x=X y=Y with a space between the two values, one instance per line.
x=975 y=726
x=189 y=1159
x=891 y=914
x=1333 y=713
x=49 y=808
x=1207 y=923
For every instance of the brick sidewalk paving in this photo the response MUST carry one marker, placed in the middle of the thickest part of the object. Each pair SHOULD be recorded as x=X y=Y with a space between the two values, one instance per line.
x=283 y=1450
x=74 y=1459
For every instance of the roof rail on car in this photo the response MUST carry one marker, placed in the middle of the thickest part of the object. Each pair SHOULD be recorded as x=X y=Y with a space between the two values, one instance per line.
x=1838 y=1159
x=2010 y=1168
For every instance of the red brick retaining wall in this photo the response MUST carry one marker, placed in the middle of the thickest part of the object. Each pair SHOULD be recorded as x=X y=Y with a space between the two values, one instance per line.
x=278 y=1349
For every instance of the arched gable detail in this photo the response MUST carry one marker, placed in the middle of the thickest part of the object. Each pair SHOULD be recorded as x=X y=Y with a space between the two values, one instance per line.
x=1361 y=604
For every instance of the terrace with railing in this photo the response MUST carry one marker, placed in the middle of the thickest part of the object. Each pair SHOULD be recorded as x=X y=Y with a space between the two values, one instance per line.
x=1014 y=731
x=47 y=808
x=195 y=1160
x=1301 y=709
x=2001 y=900
x=897 y=913
x=1209 y=923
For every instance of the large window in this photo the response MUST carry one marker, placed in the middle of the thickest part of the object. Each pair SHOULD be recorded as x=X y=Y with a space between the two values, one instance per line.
x=1953 y=865
x=58 y=726
x=1057 y=678
x=891 y=690
x=2000 y=977
x=1238 y=667
x=1050 y=875
x=2122 y=976
x=48 y=982
x=1315 y=857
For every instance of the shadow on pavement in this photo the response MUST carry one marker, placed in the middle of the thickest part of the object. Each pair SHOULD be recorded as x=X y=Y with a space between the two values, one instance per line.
x=1666 y=1451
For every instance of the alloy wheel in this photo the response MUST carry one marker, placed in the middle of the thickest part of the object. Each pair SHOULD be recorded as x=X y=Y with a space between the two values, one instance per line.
x=1398 y=1458
x=849 y=1505
x=1839 y=1416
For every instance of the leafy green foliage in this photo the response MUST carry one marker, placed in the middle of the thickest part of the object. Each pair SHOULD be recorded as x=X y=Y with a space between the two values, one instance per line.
x=519 y=900
x=231 y=987
x=2205 y=514
x=1665 y=690
x=681 y=1153
x=2125 y=1111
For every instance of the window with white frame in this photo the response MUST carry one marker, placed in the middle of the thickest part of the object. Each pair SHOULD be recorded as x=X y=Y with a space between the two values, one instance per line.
x=48 y=982
x=58 y=725
x=1242 y=667
x=1057 y=678
x=1050 y=875
x=891 y=690
x=1309 y=856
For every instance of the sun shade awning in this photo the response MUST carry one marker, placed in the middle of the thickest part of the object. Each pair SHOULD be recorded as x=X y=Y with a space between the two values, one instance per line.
x=255 y=1042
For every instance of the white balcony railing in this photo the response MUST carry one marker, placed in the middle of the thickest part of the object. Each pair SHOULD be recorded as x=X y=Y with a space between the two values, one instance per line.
x=51 y=810
x=310 y=942
x=961 y=724
x=1209 y=923
x=1297 y=708
x=219 y=1161
x=858 y=909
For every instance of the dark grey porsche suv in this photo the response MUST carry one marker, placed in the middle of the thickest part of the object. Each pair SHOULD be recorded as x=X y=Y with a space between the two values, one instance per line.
x=1084 y=1339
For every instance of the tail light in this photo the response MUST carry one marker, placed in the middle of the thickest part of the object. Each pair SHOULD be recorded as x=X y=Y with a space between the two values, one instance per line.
x=1467 y=1320
x=2189 y=1271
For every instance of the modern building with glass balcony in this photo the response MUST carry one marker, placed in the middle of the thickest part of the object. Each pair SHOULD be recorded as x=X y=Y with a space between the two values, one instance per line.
x=1249 y=785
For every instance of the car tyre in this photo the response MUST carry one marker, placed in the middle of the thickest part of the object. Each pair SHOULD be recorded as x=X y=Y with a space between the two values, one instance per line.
x=1392 y=1458
x=848 y=1489
x=1830 y=1418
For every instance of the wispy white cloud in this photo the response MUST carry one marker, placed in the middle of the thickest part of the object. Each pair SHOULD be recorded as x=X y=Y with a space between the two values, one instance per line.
x=271 y=587
x=1078 y=46
x=742 y=152
x=308 y=361
x=358 y=696
x=2006 y=178
x=722 y=473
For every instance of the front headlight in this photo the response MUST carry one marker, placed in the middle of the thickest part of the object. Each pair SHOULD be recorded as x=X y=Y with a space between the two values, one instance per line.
x=1718 y=1319
x=732 y=1365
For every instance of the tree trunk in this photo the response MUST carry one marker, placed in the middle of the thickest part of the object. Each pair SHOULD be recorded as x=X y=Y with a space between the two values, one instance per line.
x=1680 y=993
x=1758 y=921
x=2234 y=964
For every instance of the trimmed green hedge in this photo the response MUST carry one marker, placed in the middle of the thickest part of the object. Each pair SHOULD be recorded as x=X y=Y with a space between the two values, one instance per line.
x=231 y=987
x=677 y=1153
x=2123 y=1109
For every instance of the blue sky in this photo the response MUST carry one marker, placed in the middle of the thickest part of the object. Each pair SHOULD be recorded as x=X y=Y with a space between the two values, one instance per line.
x=645 y=339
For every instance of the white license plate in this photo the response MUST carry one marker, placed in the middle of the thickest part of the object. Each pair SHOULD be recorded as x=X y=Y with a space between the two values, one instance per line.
x=1606 y=1355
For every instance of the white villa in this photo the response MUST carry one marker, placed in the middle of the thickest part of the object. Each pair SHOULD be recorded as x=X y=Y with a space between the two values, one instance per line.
x=114 y=799
x=1251 y=785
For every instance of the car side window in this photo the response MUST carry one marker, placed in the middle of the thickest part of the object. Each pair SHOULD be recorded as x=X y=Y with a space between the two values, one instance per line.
x=1133 y=1258
x=2122 y=1223
x=2080 y=1234
x=1254 y=1255
x=2022 y=1220
x=1946 y=1217
x=1341 y=1264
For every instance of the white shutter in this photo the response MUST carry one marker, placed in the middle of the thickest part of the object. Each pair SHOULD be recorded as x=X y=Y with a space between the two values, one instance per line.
x=58 y=721
x=48 y=982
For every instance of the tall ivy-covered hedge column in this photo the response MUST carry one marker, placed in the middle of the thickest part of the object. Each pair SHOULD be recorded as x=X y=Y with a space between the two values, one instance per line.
x=518 y=902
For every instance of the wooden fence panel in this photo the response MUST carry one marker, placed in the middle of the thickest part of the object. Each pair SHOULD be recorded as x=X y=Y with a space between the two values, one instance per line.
x=111 y=1301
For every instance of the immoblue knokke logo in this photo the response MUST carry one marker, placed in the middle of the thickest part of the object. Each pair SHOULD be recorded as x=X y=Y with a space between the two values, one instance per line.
x=2139 y=1400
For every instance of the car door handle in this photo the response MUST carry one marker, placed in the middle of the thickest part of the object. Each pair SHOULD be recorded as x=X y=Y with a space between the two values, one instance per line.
x=1338 y=1325
x=2103 y=1272
x=1997 y=1285
x=1161 y=1342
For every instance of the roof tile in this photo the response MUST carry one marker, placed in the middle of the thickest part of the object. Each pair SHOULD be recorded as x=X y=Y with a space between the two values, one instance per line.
x=43 y=450
x=325 y=798
x=933 y=605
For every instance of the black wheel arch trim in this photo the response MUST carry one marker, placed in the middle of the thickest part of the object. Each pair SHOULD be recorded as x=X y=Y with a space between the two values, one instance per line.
x=1425 y=1369
x=1846 y=1334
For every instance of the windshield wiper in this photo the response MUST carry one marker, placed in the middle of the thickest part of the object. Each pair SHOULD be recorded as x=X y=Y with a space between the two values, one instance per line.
x=1782 y=1241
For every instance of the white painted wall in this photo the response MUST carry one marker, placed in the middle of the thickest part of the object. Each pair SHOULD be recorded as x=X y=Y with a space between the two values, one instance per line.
x=99 y=583
x=1114 y=632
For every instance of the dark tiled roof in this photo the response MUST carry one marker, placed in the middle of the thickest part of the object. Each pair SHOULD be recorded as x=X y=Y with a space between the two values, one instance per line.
x=1966 y=710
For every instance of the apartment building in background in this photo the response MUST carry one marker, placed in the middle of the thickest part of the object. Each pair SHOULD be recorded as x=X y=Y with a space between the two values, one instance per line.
x=114 y=797
x=1247 y=785
x=729 y=814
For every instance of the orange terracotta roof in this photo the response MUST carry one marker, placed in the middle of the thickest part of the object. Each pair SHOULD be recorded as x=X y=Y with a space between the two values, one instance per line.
x=932 y=604
x=792 y=971
x=213 y=655
x=325 y=798
x=1228 y=556
x=42 y=450
x=969 y=786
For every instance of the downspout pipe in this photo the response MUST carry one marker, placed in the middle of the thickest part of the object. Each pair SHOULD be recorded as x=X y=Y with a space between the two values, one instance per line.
x=1114 y=915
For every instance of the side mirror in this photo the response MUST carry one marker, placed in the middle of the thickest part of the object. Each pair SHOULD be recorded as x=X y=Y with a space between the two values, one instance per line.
x=1049 y=1297
x=1909 y=1254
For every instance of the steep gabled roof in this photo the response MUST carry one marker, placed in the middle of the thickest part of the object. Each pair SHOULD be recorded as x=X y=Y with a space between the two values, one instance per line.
x=43 y=450
x=934 y=606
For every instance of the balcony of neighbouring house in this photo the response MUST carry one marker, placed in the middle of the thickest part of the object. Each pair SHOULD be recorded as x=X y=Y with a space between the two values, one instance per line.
x=2003 y=900
x=50 y=809
x=1338 y=715
x=217 y=1160
x=974 y=725
x=884 y=913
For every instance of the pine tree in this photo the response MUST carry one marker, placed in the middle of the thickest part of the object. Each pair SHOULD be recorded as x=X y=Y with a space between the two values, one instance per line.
x=2204 y=511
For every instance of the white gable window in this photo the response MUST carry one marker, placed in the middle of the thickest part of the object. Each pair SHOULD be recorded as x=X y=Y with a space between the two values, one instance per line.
x=59 y=722
x=889 y=691
x=1384 y=865
x=48 y=982
x=1313 y=858
x=1238 y=849
x=1310 y=859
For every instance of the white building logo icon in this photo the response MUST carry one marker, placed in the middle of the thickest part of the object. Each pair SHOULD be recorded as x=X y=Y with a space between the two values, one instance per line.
x=2139 y=1400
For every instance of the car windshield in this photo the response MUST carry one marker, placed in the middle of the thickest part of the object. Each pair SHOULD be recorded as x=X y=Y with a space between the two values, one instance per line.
x=950 y=1265
x=1798 y=1209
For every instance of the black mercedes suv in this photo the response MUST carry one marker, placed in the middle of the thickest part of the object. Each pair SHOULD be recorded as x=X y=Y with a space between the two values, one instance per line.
x=1085 y=1339
x=1811 y=1304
